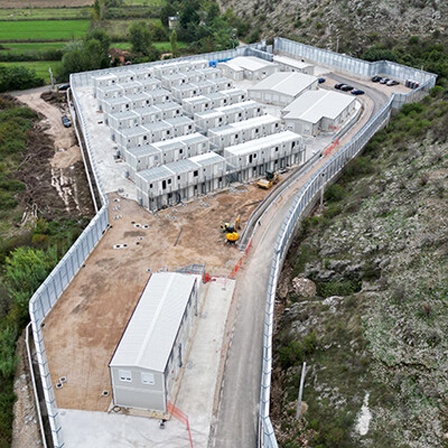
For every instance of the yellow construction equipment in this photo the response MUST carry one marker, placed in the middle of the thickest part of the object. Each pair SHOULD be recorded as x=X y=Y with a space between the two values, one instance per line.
x=271 y=178
x=232 y=236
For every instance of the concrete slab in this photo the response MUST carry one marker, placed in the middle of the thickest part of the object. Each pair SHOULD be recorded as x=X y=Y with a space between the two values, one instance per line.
x=198 y=384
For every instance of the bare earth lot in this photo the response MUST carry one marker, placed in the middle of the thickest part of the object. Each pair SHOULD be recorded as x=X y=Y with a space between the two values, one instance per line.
x=98 y=303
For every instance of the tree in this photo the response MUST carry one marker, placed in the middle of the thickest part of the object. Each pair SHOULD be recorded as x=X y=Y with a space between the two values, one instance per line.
x=173 y=42
x=18 y=78
x=140 y=38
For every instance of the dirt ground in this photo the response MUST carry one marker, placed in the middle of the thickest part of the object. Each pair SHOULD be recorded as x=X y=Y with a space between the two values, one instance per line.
x=97 y=305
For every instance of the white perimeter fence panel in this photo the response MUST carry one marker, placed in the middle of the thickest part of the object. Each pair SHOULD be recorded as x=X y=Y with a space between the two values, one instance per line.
x=311 y=190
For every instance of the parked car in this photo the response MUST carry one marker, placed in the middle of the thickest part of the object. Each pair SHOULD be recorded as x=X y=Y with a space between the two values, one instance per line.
x=346 y=88
x=63 y=87
x=321 y=80
x=384 y=80
x=357 y=92
x=392 y=82
x=339 y=86
x=376 y=78
x=66 y=121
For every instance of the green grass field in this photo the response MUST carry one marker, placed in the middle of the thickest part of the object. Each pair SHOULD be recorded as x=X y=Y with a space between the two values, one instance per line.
x=165 y=47
x=41 y=67
x=45 y=13
x=43 y=30
x=119 y=28
x=29 y=47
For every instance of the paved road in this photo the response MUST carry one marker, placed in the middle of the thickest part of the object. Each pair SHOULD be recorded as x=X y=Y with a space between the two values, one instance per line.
x=237 y=418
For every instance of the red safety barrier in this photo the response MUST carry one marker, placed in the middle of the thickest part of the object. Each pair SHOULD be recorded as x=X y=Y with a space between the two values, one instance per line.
x=240 y=261
x=331 y=147
x=179 y=415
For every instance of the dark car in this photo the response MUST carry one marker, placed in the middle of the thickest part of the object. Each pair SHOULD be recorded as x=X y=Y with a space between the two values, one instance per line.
x=66 y=121
x=357 y=92
x=63 y=87
x=321 y=80
x=346 y=88
x=376 y=78
x=339 y=86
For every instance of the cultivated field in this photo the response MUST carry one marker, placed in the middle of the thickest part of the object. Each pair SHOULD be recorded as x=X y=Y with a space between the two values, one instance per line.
x=43 y=30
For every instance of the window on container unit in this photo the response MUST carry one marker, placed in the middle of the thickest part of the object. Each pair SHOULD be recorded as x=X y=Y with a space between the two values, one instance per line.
x=125 y=376
x=195 y=173
x=148 y=378
x=169 y=181
x=150 y=186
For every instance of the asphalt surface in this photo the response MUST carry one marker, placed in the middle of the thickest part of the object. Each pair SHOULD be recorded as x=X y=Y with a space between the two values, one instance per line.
x=236 y=422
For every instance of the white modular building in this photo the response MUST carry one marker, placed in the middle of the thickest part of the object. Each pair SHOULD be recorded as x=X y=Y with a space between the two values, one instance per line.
x=209 y=119
x=253 y=158
x=141 y=158
x=115 y=105
x=139 y=100
x=104 y=80
x=195 y=104
x=321 y=110
x=143 y=73
x=288 y=64
x=223 y=83
x=242 y=131
x=210 y=72
x=149 y=114
x=282 y=88
x=185 y=91
x=154 y=344
x=234 y=96
x=216 y=99
x=132 y=88
x=174 y=80
x=109 y=92
x=241 y=111
x=159 y=96
x=122 y=120
x=150 y=84
x=213 y=169
x=143 y=135
x=170 y=109
x=247 y=67
x=181 y=126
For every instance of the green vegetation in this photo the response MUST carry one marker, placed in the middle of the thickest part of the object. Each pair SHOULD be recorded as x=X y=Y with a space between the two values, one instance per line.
x=43 y=30
x=27 y=254
x=40 y=68
x=44 y=14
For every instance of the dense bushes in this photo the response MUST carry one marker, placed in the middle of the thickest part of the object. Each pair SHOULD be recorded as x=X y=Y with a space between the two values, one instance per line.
x=18 y=78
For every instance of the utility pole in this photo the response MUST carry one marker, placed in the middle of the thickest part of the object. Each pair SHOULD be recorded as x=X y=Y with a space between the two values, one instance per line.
x=302 y=382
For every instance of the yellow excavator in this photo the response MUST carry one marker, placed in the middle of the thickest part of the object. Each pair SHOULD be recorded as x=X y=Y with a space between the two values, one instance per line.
x=230 y=230
x=271 y=178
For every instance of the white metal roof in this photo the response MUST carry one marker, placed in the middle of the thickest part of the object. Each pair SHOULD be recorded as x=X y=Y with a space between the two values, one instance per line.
x=145 y=150
x=155 y=173
x=149 y=337
x=313 y=105
x=182 y=166
x=290 y=83
x=244 y=124
x=285 y=60
x=249 y=63
x=208 y=158
x=245 y=105
x=260 y=143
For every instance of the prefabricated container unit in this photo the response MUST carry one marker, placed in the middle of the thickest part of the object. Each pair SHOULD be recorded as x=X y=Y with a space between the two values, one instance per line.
x=196 y=144
x=181 y=126
x=122 y=120
x=149 y=114
x=132 y=137
x=132 y=88
x=193 y=76
x=288 y=64
x=170 y=109
x=174 y=80
x=241 y=111
x=198 y=64
x=282 y=88
x=209 y=119
x=217 y=99
x=142 y=158
x=205 y=87
x=242 y=131
x=155 y=181
x=234 y=96
x=253 y=158
x=211 y=173
x=231 y=71
x=104 y=81
x=179 y=93
x=153 y=347
x=195 y=104
x=159 y=96
x=144 y=74
x=223 y=83
x=187 y=180
x=159 y=130
x=150 y=84
x=126 y=76
x=171 y=150
x=139 y=100
x=253 y=68
x=210 y=73
x=108 y=92
x=319 y=110
x=116 y=105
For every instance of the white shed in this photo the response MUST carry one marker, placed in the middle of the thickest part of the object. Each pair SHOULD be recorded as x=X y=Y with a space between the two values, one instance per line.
x=181 y=126
x=122 y=120
x=104 y=80
x=195 y=104
x=209 y=119
x=141 y=158
x=288 y=64
x=108 y=92
x=253 y=68
x=154 y=345
x=320 y=110
x=282 y=88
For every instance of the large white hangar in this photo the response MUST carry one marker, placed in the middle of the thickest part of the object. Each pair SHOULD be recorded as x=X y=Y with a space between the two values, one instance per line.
x=282 y=88
x=153 y=346
x=320 y=110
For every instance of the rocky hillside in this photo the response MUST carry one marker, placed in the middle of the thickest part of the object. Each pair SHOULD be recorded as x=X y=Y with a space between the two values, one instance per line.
x=364 y=296
x=349 y=25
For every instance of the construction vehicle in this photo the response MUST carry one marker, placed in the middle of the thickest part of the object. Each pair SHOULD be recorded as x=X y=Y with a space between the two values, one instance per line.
x=271 y=178
x=230 y=230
